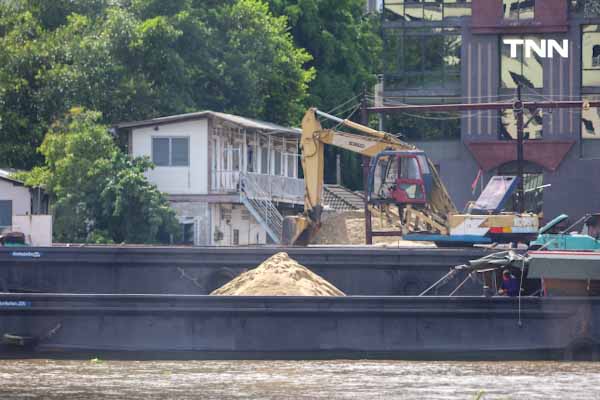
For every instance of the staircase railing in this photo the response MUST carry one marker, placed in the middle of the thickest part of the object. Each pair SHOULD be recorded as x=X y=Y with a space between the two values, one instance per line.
x=258 y=201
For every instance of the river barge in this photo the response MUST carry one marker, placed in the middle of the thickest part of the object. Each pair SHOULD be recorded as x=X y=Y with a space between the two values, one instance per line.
x=214 y=327
x=447 y=323
x=356 y=270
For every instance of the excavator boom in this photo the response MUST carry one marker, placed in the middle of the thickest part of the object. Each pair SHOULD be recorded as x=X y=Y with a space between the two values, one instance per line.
x=369 y=142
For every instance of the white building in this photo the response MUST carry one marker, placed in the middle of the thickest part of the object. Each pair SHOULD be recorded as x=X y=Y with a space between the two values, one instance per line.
x=24 y=209
x=230 y=179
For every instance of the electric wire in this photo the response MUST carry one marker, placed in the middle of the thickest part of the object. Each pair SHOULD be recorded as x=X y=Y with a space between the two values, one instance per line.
x=342 y=104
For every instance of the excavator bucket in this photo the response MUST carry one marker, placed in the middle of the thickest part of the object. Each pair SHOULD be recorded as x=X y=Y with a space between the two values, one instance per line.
x=297 y=231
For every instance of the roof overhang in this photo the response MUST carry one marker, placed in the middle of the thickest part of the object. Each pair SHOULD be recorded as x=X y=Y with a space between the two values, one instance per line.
x=546 y=153
x=266 y=128
x=6 y=176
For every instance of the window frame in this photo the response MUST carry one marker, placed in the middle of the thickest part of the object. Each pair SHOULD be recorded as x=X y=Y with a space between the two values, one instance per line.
x=421 y=73
x=521 y=60
x=422 y=5
x=10 y=214
x=593 y=69
x=519 y=11
x=170 y=152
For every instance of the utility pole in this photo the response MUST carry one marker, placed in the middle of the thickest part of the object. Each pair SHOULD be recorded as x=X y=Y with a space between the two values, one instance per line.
x=518 y=110
x=364 y=120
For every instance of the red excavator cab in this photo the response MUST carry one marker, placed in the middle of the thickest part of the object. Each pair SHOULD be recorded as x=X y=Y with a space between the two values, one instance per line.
x=410 y=185
x=399 y=177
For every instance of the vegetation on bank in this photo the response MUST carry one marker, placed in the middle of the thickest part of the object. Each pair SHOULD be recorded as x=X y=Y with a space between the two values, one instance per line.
x=100 y=194
x=126 y=60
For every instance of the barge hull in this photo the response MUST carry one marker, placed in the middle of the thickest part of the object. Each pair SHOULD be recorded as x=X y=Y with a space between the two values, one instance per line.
x=146 y=326
x=200 y=270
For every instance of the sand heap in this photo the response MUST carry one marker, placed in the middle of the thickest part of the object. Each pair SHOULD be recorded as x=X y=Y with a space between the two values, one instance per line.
x=349 y=228
x=280 y=275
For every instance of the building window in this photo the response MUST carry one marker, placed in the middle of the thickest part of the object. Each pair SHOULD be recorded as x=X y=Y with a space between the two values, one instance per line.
x=5 y=213
x=264 y=160
x=532 y=125
x=518 y=9
x=171 y=151
x=422 y=58
x=590 y=122
x=276 y=162
x=590 y=130
x=187 y=234
x=419 y=10
x=527 y=71
x=290 y=161
x=586 y=8
x=250 y=158
x=236 y=237
x=590 y=56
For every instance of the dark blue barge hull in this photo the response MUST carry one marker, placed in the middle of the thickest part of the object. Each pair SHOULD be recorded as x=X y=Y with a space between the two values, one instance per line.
x=199 y=270
x=184 y=326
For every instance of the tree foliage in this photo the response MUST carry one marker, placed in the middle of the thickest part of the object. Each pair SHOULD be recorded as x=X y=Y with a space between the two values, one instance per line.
x=346 y=47
x=98 y=193
x=137 y=59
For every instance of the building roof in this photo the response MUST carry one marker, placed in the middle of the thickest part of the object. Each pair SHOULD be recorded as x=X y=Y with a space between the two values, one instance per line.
x=266 y=127
x=5 y=174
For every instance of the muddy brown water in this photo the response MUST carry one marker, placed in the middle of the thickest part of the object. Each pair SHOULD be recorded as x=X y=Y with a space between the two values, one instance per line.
x=51 y=379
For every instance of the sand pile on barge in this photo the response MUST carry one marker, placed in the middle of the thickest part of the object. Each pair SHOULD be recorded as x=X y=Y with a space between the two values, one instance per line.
x=279 y=275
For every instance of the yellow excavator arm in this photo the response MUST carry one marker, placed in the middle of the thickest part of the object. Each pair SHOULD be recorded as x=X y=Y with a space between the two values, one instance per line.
x=370 y=142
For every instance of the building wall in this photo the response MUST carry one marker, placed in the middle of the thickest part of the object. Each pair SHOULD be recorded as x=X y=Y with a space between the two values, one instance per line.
x=20 y=196
x=192 y=179
x=199 y=214
x=228 y=218
x=37 y=228
x=574 y=188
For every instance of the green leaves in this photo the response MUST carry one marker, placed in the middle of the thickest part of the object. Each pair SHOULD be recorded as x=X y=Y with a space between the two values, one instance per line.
x=138 y=59
x=99 y=194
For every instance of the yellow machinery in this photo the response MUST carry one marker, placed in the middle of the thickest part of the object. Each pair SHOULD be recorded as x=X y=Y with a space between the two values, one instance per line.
x=428 y=206
x=403 y=176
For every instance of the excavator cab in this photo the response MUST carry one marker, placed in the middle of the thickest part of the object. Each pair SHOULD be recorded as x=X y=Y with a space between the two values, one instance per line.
x=399 y=177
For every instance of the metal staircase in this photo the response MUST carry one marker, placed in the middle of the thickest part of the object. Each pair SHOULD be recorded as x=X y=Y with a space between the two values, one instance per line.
x=259 y=203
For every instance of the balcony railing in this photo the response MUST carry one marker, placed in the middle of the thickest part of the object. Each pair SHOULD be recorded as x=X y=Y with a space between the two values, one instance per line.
x=225 y=181
x=277 y=188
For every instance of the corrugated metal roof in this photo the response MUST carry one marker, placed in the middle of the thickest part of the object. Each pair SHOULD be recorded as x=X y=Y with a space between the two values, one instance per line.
x=265 y=127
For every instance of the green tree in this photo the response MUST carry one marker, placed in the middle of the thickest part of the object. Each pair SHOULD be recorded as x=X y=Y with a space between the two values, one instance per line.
x=345 y=44
x=98 y=193
x=137 y=59
x=346 y=47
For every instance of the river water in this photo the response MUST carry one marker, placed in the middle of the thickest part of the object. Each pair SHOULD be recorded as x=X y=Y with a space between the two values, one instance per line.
x=97 y=379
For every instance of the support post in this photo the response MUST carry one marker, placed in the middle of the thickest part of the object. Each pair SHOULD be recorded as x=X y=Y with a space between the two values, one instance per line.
x=364 y=120
x=518 y=110
x=338 y=169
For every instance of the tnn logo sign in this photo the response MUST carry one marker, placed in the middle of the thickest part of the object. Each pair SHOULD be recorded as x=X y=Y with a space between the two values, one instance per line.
x=544 y=49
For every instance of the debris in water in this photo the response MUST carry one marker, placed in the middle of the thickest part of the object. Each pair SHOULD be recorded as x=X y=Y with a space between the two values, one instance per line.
x=279 y=275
